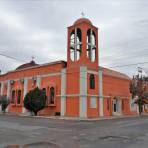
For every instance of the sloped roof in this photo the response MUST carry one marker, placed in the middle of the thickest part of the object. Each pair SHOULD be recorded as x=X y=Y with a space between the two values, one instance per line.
x=114 y=73
x=27 y=65
x=30 y=65
x=34 y=65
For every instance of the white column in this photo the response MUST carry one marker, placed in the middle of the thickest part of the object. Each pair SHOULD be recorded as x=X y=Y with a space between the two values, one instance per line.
x=1 y=92
x=137 y=109
x=38 y=81
x=120 y=106
x=63 y=92
x=2 y=88
x=8 y=89
x=8 y=92
x=75 y=45
x=101 y=92
x=25 y=92
x=83 y=92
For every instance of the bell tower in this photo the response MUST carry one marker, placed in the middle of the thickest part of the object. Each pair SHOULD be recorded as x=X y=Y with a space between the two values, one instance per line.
x=82 y=68
x=82 y=46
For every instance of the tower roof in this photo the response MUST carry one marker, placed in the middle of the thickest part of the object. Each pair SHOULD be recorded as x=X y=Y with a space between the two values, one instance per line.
x=82 y=20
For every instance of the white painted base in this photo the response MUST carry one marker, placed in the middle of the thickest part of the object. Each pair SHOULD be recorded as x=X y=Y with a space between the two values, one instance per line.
x=137 y=109
x=83 y=107
x=101 y=107
x=24 y=110
x=7 y=109
x=63 y=106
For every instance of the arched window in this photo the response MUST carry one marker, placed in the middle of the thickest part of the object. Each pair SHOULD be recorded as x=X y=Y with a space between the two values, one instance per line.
x=123 y=105
x=108 y=104
x=44 y=90
x=75 y=44
x=13 y=97
x=92 y=81
x=52 y=96
x=91 y=45
x=115 y=103
x=19 y=97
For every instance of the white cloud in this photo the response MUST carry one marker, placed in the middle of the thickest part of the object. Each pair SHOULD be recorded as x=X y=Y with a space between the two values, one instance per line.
x=10 y=20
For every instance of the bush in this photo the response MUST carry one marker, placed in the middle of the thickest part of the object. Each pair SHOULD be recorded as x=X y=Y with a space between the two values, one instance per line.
x=4 y=102
x=35 y=100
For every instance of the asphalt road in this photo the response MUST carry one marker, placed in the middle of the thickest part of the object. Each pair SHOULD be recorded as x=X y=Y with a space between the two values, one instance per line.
x=30 y=132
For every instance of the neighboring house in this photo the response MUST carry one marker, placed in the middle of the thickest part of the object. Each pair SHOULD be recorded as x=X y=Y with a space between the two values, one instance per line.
x=76 y=88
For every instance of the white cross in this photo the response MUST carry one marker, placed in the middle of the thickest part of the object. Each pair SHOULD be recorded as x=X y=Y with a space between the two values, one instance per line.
x=139 y=69
x=32 y=58
x=82 y=13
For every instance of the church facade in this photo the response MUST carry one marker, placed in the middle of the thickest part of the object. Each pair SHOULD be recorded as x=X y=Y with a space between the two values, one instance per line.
x=76 y=88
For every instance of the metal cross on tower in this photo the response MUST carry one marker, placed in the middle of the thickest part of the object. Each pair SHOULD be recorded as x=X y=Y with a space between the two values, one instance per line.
x=32 y=57
x=82 y=13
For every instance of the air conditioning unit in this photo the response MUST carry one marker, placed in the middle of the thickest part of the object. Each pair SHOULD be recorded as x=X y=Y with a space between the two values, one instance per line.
x=11 y=82
x=22 y=80
x=34 y=78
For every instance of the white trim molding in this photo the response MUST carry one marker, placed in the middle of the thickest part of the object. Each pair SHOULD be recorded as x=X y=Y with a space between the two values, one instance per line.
x=25 y=92
x=2 y=88
x=83 y=92
x=92 y=72
x=63 y=92
x=8 y=89
x=8 y=93
x=41 y=76
x=82 y=95
x=38 y=81
x=100 y=74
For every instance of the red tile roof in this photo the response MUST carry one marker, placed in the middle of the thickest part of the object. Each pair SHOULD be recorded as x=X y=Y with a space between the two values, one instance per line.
x=27 y=65
x=82 y=20
x=113 y=73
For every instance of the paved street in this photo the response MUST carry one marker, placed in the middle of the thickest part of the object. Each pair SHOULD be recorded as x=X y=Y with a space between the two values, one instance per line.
x=52 y=133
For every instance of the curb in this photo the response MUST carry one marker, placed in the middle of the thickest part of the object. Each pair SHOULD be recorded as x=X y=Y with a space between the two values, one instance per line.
x=74 y=118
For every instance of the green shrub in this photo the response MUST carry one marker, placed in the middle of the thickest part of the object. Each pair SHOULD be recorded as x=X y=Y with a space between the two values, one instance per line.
x=4 y=102
x=35 y=100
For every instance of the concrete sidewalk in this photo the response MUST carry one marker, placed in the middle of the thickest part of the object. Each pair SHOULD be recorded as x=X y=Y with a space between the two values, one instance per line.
x=73 y=118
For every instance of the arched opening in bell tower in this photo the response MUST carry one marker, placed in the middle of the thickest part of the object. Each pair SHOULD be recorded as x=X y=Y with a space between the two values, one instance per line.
x=75 y=44
x=91 y=45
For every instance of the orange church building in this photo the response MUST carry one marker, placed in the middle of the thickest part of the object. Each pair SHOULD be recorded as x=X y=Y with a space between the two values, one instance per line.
x=76 y=88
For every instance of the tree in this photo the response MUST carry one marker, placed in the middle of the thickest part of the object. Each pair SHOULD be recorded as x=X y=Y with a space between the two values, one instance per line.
x=35 y=100
x=139 y=88
x=4 y=102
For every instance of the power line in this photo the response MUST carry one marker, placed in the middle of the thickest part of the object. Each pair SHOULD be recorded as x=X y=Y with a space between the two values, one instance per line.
x=129 y=65
x=125 y=57
x=118 y=66
x=10 y=57
x=121 y=56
